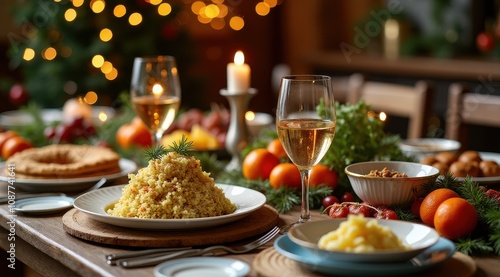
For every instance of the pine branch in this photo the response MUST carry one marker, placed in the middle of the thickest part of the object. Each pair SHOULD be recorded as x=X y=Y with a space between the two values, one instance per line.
x=156 y=152
x=469 y=246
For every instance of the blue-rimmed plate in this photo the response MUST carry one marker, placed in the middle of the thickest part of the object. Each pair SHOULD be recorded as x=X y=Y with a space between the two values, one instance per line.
x=432 y=256
x=202 y=266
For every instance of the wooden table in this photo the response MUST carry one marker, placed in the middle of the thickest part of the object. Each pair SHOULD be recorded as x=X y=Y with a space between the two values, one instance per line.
x=43 y=245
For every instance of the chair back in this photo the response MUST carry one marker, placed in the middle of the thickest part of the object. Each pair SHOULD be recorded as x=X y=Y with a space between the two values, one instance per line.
x=466 y=107
x=412 y=102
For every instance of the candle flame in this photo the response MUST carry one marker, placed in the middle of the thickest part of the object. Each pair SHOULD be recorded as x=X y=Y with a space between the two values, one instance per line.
x=249 y=116
x=157 y=89
x=103 y=116
x=239 y=58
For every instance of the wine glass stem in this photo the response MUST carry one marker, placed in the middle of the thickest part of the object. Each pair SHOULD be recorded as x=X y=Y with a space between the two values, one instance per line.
x=305 y=214
x=157 y=137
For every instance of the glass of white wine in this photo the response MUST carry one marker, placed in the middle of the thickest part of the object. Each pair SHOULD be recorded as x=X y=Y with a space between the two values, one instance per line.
x=306 y=121
x=155 y=92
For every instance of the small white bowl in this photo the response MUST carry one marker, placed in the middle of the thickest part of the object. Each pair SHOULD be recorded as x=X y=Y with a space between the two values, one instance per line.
x=389 y=191
x=421 y=148
x=418 y=236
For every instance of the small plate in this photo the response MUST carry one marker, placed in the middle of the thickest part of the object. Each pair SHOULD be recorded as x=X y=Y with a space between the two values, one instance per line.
x=44 y=205
x=95 y=203
x=202 y=266
x=417 y=236
x=432 y=256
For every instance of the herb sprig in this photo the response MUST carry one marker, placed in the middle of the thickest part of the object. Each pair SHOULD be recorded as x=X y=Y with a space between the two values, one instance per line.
x=182 y=148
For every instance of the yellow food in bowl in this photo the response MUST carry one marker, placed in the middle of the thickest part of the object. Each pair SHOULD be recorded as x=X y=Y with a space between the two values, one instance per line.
x=359 y=235
x=173 y=187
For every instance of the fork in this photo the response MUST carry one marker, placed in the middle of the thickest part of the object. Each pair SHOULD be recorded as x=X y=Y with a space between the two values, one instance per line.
x=155 y=259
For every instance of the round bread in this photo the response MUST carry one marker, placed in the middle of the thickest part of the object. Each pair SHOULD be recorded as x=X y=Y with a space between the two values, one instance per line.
x=461 y=169
x=446 y=157
x=65 y=161
x=489 y=168
x=470 y=156
x=429 y=160
x=443 y=168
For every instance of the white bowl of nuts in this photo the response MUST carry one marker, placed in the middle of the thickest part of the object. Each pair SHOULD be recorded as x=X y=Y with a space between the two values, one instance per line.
x=389 y=183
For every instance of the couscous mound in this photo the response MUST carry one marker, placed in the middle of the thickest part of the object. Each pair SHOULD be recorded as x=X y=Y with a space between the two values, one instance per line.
x=173 y=187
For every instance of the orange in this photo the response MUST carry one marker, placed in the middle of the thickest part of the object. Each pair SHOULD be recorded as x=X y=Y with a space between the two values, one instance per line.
x=4 y=136
x=276 y=148
x=285 y=174
x=134 y=133
x=258 y=164
x=323 y=175
x=455 y=217
x=13 y=145
x=432 y=201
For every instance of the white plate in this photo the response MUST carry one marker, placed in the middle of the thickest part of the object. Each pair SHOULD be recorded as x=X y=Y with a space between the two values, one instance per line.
x=43 y=205
x=417 y=236
x=487 y=180
x=202 y=266
x=65 y=185
x=432 y=256
x=18 y=118
x=95 y=203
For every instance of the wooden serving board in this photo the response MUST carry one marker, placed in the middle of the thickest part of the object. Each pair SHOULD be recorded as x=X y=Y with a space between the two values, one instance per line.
x=80 y=225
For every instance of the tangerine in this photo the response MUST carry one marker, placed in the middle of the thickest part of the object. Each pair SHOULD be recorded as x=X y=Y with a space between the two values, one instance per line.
x=276 y=148
x=455 y=217
x=258 y=164
x=323 y=175
x=285 y=174
x=13 y=145
x=4 y=136
x=432 y=201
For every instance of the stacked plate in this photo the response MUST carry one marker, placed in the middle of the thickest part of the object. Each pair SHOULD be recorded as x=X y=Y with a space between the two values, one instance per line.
x=427 y=250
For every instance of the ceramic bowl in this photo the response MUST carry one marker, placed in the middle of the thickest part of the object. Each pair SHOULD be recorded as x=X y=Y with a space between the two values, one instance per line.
x=418 y=236
x=389 y=191
x=421 y=148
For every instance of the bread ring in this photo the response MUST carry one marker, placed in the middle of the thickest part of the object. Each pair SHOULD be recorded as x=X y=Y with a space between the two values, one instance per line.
x=65 y=161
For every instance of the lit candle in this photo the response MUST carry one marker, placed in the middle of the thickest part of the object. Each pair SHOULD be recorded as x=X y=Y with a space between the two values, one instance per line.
x=238 y=74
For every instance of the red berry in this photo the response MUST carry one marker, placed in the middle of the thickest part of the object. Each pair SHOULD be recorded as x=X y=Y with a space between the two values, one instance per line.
x=330 y=200
x=339 y=211
x=485 y=42
x=347 y=197
x=358 y=208
x=18 y=95
x=387 y=214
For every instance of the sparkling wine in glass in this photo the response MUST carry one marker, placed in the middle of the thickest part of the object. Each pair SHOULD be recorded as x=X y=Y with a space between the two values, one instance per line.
x=305 y=125
x=155 y=92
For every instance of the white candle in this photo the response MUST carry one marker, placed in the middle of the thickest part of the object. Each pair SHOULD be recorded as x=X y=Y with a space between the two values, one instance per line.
x=238 y=74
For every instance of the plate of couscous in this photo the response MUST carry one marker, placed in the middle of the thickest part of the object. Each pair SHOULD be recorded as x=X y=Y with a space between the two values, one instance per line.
x=98 y=203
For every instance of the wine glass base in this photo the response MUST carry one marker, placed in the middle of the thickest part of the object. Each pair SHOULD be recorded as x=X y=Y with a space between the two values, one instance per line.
x=286 y=228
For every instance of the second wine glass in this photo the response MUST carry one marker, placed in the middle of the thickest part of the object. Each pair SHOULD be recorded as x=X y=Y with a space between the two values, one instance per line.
x=155 y=92
x=306 y=125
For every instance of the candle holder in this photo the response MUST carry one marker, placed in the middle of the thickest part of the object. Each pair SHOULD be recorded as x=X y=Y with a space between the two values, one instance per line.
x=237 y=133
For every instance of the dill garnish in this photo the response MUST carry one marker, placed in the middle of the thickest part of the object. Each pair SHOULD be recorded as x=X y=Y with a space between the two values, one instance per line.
x=182 y=148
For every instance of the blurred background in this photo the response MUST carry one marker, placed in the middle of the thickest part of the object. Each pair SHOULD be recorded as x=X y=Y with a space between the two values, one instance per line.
x=58 y=49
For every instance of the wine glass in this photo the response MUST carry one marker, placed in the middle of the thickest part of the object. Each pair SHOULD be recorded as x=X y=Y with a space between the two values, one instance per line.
x=155 y=93
x=305 y=122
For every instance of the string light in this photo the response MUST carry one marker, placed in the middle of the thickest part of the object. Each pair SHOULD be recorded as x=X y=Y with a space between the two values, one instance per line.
x=218 y=14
